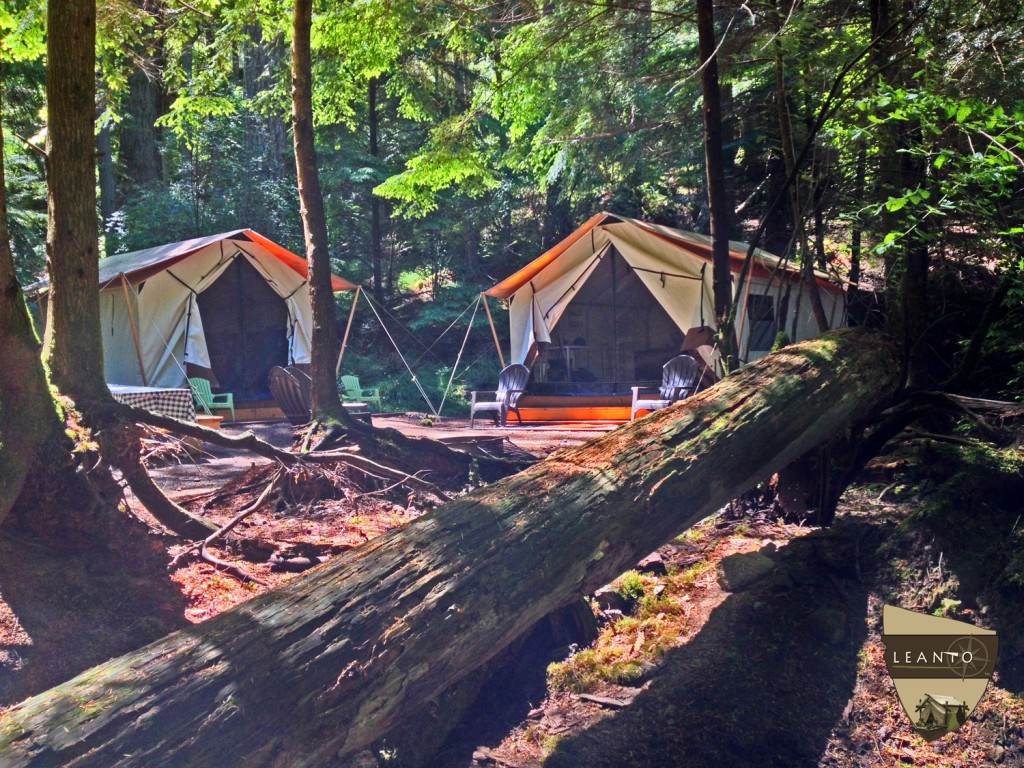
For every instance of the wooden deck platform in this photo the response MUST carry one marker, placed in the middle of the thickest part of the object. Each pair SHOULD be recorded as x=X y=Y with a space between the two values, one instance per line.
x=574 y=408
x=535 y=409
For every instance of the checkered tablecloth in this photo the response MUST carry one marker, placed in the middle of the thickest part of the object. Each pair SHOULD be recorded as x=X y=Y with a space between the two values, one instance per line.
x=176 y=403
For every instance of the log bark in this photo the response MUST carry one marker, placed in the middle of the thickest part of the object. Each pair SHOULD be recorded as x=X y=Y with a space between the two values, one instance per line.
x=313 y=672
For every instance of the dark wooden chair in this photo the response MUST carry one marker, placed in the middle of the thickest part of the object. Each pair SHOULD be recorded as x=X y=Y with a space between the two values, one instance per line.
x=511 y=385
x=305 y=384
x=288 y=392
x=680 y=378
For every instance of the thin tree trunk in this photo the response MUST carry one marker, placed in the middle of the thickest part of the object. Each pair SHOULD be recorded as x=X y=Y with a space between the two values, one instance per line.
x=376 y=235
x=315 y=671
x=107 y=178
x=718 y=196
x=139 y=139
x=326 y=403
x=857 y=227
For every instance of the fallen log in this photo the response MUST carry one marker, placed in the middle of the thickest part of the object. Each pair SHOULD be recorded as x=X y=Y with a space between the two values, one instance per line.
x=313 y=672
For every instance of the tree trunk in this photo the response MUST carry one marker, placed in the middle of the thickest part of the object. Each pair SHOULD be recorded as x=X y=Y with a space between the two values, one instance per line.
x=718 y=196
x=28 y=417
x=857 y=225
x=315 y=671
x=139 y=139
x=107 y=178
x=73 y=350
x=376 y=235
x=326 y=403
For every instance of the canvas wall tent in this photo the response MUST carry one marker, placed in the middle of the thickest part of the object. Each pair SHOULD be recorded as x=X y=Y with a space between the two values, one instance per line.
x=227 y=306
x=611 y=302
x=936 y=711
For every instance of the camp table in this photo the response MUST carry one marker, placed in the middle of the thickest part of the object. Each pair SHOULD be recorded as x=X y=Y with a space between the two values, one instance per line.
x=176 y=403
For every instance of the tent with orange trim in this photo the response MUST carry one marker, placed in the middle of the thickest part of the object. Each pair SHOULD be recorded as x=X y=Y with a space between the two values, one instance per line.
x=613 y=300
x=226 y=307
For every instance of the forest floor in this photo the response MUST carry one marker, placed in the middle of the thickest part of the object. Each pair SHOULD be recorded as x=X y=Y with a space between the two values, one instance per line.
x=784 y=670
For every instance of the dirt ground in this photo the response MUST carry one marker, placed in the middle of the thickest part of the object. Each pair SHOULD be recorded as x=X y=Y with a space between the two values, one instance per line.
x=785 y=671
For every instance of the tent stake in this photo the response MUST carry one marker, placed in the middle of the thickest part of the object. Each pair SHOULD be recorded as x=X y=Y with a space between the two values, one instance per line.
x=348 y=327
x=135 y=330
x=494 y=331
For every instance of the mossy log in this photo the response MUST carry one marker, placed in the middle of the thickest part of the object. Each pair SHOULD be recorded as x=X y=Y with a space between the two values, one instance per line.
x=312 y=672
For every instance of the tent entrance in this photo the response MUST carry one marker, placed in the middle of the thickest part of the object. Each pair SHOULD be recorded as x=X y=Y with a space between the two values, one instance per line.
x=246 y=328
x=612 y=334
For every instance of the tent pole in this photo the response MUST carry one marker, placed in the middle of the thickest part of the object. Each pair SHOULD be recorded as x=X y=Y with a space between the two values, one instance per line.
x=135 y=330
x=615 y=326
x=744 y=318
x=494 y=331
x=348 y=327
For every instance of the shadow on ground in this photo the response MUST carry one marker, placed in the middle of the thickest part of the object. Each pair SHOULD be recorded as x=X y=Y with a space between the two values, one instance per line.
x=75 y=609
x=764 y=681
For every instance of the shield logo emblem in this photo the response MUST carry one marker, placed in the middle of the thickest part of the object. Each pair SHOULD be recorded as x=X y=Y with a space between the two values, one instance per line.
x=940 y=667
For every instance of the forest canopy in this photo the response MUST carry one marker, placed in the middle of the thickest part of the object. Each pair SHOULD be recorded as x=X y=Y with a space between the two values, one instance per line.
x=457 y=142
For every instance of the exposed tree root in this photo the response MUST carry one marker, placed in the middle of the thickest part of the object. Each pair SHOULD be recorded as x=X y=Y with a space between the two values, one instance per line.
x=228 y=568
x=250 y=442
x=121 y=447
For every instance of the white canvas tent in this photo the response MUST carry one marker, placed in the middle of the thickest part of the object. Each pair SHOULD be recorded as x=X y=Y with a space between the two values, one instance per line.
x=227 y=306
x=613 y=300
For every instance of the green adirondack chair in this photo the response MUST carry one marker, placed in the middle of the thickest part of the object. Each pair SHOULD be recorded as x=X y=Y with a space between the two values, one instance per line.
x=205 y=399
x=355 y=393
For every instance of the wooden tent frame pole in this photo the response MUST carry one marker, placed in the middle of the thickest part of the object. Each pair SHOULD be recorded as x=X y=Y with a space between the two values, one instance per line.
x=494 y=331
x=743 y=320
x=135 y=330
x=348 y=329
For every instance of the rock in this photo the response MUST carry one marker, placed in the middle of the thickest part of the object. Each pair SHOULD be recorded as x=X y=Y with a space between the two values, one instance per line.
x=828 y=624
x=738 y=572
x=648 y=668
x=610 y=600
x=653 y=564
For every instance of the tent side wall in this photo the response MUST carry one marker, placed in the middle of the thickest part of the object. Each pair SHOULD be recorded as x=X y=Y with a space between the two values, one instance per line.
x=120 y=358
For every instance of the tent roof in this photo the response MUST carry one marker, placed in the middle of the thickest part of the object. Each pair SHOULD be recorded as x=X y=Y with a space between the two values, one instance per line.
x=946 y=701
x=139 y=265
x=689 y=242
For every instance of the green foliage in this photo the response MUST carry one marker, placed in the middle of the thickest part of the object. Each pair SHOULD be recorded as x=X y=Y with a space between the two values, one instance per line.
x=781 y=340
x=630 y=586
x=586 y=670
x=22 y=30
x=975 y=150
x=428 y=174
x=500 y=128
